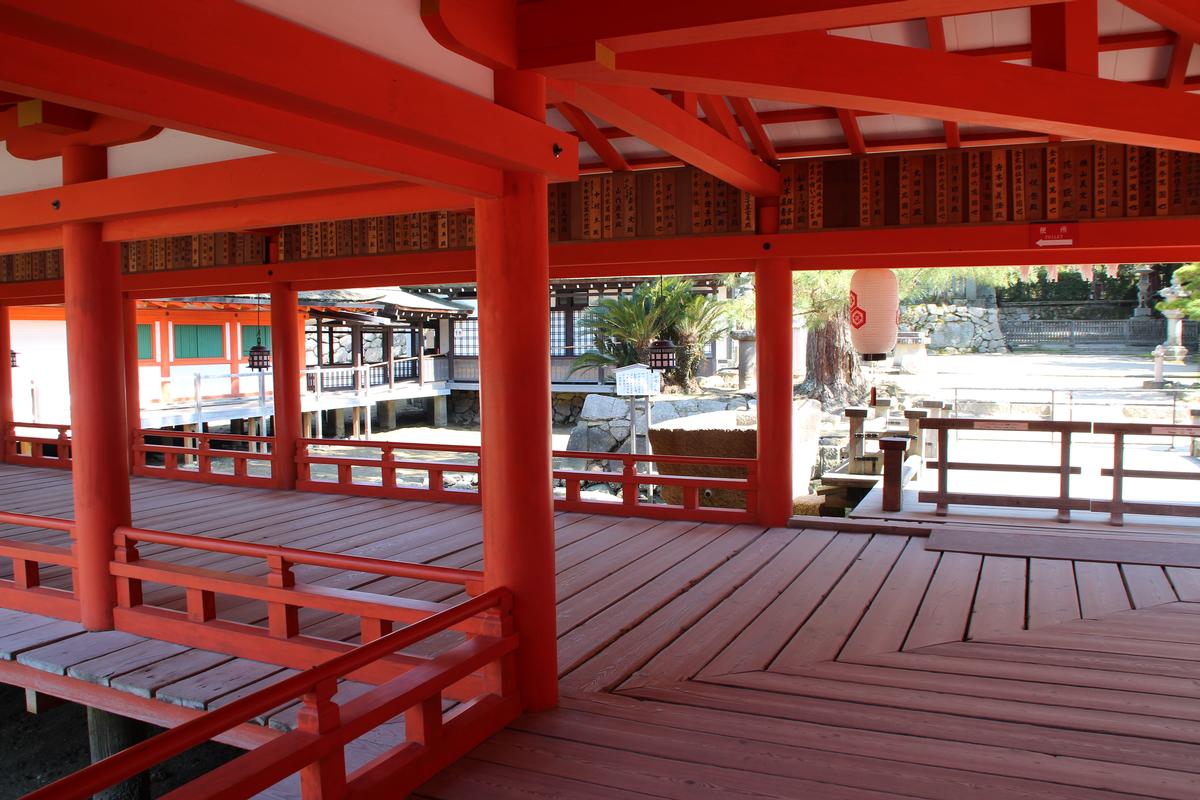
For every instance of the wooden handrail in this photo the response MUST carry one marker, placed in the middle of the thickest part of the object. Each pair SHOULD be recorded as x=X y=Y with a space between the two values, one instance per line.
x=32 y=521
x=149 y=753
x=315 y=558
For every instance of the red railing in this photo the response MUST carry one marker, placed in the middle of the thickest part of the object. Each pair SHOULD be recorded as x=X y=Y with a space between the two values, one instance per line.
x=741 y=491
x=240 y=627
x=377 y=477
x=195 y=458
x=30 y=449
x=24 y=590
x=315 y=748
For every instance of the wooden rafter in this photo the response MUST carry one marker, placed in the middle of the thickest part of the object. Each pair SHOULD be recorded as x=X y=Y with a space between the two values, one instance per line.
x=936 y=28
x=854 y=136
x=717 y=112
x=748 y=119
x=586 y=130
x=1181 y=16
x=656 y=120
x=841 y=72
x=1181 y=54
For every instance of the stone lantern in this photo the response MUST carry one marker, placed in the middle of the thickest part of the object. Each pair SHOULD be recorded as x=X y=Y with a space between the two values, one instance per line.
x=1173 y=349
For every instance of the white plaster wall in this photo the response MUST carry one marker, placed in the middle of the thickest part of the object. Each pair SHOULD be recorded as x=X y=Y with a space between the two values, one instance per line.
x=41 y=347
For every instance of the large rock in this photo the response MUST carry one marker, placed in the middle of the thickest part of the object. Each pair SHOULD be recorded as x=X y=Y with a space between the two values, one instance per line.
x=604 y=407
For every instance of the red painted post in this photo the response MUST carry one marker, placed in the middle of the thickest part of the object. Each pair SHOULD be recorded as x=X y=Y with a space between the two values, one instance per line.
x=285 y=365
x=99 y=416
x=6 y=379
x=773 y=324
x=893 y=448
x=133 y=400
x=512 y=257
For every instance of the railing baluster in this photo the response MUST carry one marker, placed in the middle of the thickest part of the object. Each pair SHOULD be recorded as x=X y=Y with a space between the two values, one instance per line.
x=423 y=722
x=129 y=590
x=324 y=779
x=283 y=619
x=371 y=628
x=26 y=574
x=387 y=468
x=1116 y=512
x=201 y=605
x=629 y=485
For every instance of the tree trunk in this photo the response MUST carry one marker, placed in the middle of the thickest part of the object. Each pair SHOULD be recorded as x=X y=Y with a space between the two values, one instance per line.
x=835 y=376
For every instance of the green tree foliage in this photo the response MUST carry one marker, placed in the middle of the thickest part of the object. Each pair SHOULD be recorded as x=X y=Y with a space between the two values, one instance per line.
x=625 y=326
x=1188 y=278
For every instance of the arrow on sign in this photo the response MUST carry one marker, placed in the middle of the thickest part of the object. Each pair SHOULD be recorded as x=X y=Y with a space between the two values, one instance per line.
x=1055 y=242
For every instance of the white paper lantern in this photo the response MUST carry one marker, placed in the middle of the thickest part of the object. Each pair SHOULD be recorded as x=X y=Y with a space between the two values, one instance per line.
x=874 y=312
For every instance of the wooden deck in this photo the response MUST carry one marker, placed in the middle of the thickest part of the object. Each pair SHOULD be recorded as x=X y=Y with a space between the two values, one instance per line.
x=703 y=661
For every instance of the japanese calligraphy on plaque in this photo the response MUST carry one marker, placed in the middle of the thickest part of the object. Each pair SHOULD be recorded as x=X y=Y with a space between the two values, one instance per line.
x=999 y=186
x=1018 y=185
x=974 y=187
x=1053 y=183
x=816 y=194
x=1133 y=182
x=941 y=215
x=1101 y=181
x=1162 y=179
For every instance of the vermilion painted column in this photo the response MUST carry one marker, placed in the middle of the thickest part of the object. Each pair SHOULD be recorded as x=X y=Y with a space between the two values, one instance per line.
x=133 y=399
x=6 y=376
x=773 y=326
x=99 y=416
x=512 y=256
x=285 y=367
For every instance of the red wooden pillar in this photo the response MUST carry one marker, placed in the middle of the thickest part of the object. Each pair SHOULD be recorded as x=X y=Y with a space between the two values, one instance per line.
x=512 y=256
x=773 y=326
x=6 y=378
x=99 y=416
x=285 y=367
x=133 y=399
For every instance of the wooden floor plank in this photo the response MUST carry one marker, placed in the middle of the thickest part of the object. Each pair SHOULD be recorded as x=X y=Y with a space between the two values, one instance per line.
x=1186 y=583
x=758 y=643
x=885 y=625
x=821 y=637
x=1053 y=596
x=1000 y=597
x=1101 y=589
x=1148 y=585
x=946 y=608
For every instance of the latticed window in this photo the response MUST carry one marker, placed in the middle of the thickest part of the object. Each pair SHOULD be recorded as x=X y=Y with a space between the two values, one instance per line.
x=466 y=337
x=558 y=333
x=585 y=340
x=199 y=341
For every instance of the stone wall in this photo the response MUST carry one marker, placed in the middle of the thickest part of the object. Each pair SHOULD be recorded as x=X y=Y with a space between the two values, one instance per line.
x=342 y=352
x=953 y=328
x=1065 y=309
x=464 y=407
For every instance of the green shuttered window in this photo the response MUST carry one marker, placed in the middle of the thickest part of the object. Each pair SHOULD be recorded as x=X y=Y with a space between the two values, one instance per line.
x=250 y=337
x=199 y=341
x=145 y=335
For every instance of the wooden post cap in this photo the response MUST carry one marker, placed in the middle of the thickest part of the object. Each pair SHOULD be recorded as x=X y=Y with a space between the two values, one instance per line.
x=916 y=413
x=933 y=404
x=855 y=411
x=893 y=443
x=883 y=402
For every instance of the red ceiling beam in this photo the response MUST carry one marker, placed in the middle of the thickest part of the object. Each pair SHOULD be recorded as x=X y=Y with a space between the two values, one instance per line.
x=936 y=29
x=484 y=31
x=656 y=120
x=717 y=112
x=748 y=118
x=560 y=36
x=588 y=132
x=1064 y=37
x=220 y=183
x=275 y=67
x=69 y=77
x=854 y=137
x=1181 y=54
x=370 y=201
x=840 y=72
x=1181 y=16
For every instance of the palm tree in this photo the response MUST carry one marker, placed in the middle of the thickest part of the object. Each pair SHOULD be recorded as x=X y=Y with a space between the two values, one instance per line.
x=623 y=328
x=701 y=319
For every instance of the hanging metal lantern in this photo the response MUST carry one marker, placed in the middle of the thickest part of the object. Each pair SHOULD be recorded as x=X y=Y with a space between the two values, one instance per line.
x=662 y=354
x=12 y=356
x=259 y=357
x=874 y=312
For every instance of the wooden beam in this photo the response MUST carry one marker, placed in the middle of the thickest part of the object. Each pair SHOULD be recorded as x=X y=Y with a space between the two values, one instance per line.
x=277 y=67
x=839 y=72
x=655 y=119
x=1181 y=16
x=1064 y=37
x=559 y=37
x=748 y=118
x=484 y=31
x=717 y=112
x=936 y=28
x=853 y=134
x=588 y=132
x=219 y=183
x=52 y=118
x=1181 y=54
